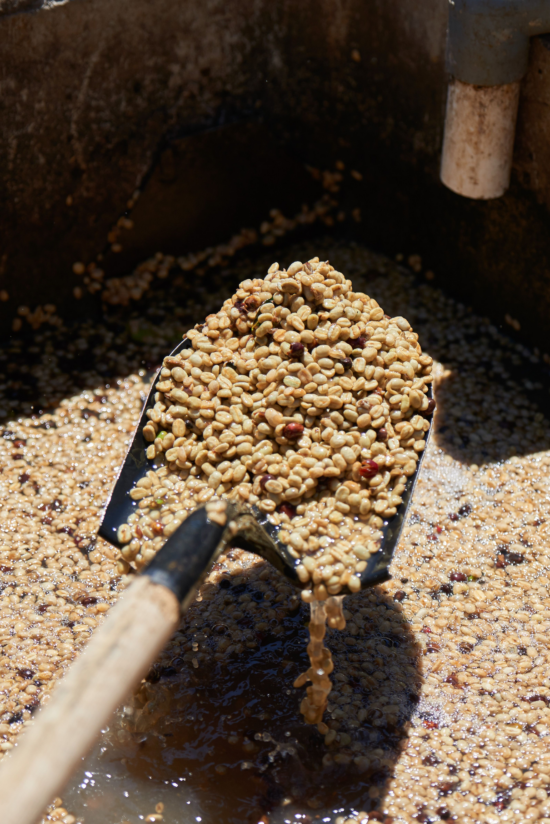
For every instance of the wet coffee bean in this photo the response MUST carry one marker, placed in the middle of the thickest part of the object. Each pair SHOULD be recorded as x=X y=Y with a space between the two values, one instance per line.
x=457 y=576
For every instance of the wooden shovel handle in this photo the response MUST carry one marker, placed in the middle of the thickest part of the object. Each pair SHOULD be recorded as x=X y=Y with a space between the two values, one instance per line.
x=117 y=656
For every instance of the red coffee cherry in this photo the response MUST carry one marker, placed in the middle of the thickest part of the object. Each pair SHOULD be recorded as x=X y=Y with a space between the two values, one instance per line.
x=293 y=431
x=368 y=469
x=297 y=349
x=457 y=576
x=287 y=509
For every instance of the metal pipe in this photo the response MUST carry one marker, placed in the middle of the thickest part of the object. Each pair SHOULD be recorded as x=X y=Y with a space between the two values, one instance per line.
x=487 y=55
x=479 y=139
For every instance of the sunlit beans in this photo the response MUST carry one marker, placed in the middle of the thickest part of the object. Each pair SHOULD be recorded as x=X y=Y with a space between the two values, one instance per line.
x=507 y=496
x=287 y=411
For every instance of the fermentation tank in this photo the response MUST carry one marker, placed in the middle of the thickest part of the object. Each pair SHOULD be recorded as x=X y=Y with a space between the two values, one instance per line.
x=150 y=157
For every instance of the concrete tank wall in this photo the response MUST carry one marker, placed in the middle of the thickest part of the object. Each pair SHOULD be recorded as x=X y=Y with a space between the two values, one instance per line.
x=91 y=92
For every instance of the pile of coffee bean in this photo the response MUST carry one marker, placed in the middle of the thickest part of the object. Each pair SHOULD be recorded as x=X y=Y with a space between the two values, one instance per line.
x=301 y=396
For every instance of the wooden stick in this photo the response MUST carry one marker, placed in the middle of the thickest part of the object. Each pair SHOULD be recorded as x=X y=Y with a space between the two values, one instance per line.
x=117 y=656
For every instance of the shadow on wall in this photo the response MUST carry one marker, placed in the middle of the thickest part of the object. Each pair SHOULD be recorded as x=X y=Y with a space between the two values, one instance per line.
x=232 y=726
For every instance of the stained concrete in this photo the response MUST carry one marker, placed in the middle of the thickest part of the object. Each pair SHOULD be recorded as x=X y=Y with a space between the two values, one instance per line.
x=94 y=92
